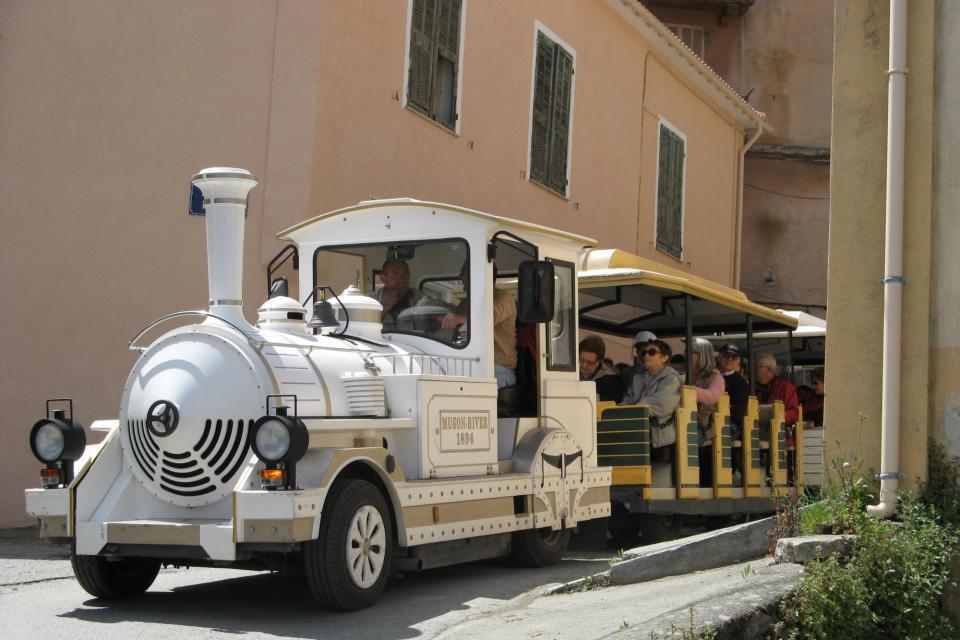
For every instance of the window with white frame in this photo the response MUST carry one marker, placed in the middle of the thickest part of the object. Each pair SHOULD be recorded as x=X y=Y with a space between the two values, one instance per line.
x=550 y=129
x=690 y=36
x=671 y=152
x=434 y=59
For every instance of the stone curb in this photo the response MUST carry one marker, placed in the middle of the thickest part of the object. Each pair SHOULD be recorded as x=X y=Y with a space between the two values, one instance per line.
x=747 y=612
x=710 y=550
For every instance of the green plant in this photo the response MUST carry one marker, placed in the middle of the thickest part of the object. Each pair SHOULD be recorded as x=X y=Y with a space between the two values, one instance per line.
x=676 y=632
x=891 y=585
x=786 y=519
x=942 y=488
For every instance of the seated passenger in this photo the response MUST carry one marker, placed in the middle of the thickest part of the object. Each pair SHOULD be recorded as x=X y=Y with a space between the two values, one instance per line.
x=659 y=387
x=709 y=382
x=504 y=328
x=396 y=294
x=771 y=387
x=593 y=367
x=813 y=403
x=639 y=342
x=736 y=386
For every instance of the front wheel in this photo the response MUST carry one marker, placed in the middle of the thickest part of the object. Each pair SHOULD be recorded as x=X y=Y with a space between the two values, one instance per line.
x=539 y=547
x=108 y=579
x=347 y=565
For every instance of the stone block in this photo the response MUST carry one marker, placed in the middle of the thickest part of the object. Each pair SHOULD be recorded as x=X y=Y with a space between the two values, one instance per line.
x=806 y=548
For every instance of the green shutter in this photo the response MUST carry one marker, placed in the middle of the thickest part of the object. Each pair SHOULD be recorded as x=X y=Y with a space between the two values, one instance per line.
x=445 y=71
x=422 y=56
x=670 y=193
x=542 y=93
x=560 y=121
x=448 y=29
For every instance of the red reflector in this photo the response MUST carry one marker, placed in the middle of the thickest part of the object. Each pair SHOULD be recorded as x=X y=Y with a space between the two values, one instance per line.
x=271 y=477
x=49 y=477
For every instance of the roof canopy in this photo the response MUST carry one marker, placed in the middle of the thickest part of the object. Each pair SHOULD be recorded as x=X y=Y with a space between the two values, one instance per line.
x=621 y=294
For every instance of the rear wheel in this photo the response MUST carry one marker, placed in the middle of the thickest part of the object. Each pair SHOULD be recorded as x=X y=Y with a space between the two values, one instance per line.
x=103 y=578
x=539 y=547
x=348 y=564
x=658 y=527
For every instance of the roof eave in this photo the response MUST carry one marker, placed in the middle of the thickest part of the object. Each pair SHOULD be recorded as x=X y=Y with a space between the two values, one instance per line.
x=692 y=67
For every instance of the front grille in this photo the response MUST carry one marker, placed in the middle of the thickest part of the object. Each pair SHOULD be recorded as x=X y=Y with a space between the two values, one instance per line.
x=211 y=463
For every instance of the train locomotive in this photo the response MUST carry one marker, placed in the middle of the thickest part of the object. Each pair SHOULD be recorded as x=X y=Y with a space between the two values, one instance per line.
x=333 y=434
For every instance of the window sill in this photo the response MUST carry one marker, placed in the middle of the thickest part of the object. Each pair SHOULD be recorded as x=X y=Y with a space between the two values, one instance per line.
x=564 y=196
x=667 y=253
x=454 y=132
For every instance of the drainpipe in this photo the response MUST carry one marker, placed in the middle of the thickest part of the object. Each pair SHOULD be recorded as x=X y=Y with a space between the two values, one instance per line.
x=893 y=280
x=738 y=241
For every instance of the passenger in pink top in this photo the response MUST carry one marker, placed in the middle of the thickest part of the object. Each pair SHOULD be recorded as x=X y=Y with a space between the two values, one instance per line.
x=710 y=388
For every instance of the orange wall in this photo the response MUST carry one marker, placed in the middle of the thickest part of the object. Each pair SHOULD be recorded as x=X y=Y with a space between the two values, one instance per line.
x=110 y=106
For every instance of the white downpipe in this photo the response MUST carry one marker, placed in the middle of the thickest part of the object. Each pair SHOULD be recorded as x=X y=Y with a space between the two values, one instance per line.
x=738 y=239
x=893 y=264
x=225 y=191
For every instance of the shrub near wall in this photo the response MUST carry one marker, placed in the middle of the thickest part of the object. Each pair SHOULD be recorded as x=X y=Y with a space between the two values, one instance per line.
x=893 y=583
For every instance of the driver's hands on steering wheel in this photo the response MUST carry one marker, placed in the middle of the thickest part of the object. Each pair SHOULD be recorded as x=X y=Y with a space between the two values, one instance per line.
x=452 y=320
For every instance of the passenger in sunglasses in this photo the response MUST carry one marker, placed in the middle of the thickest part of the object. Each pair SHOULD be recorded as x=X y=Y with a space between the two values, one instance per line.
x=659 y=387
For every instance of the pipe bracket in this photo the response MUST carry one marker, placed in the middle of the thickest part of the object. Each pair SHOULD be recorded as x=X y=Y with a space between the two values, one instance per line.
x=890 y=475
x=890 y=72
x=892 y=279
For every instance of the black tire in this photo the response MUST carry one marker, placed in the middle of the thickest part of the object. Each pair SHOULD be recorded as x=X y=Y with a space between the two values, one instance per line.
x=539 y=547
x=108 y=579
x=335 y=582
x=658 y=528
x=591 y=535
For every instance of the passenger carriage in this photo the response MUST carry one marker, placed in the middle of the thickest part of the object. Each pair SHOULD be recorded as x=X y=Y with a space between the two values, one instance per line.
x=621 y=294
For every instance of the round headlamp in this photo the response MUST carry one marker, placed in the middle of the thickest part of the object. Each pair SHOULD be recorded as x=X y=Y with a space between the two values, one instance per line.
x=55 y=439
x=280 y=438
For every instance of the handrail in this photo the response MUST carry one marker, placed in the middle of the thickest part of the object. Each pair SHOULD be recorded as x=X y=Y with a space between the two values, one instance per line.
x=182 y=314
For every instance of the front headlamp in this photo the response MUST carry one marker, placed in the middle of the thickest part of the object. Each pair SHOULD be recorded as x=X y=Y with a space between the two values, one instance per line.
x=57 y=441
x=280 y=441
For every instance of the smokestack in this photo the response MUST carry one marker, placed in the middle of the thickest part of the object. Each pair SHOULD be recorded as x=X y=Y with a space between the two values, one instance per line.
x=225 y=191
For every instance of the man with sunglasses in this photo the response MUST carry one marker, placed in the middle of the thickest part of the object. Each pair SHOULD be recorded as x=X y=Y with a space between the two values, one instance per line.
x=640 y=341
x=657 y=386
x=729 y=363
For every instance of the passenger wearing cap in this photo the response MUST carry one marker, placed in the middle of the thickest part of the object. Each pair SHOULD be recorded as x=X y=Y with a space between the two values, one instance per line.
x=729 y=362
x=639 y=342
x=657 y=386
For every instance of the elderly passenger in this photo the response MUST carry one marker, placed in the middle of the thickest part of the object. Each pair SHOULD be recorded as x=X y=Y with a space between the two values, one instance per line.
x=771 y=387
x=658 y=386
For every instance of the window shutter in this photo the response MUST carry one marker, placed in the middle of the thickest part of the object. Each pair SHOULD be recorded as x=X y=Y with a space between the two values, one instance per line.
x=543 y=90
x=422 y=35
x=560 y=120
x=448 y=29
x=670 y=193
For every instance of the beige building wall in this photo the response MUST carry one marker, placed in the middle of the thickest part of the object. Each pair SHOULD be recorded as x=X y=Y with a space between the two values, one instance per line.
x=858 y=179
x=111 y=106
x=787 y=71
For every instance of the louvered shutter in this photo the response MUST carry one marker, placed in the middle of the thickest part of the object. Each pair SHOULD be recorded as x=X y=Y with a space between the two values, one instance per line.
x=560 y=121
x=670 y=193
x=445 y=73
x=422 y=35
x=542 y=92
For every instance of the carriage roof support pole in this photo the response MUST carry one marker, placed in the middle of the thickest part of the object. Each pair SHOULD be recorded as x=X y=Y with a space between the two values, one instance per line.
x=688 y=332
x=790 y=355
x=893 y=280
x=753 y=384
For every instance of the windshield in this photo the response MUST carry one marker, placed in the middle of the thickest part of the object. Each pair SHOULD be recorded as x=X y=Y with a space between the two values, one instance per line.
x=422 y=285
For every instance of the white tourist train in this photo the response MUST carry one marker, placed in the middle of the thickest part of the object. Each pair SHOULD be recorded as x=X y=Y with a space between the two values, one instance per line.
x=332 y=434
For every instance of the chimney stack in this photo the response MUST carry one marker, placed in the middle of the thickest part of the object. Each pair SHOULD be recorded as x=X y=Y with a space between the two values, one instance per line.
x=225 y=191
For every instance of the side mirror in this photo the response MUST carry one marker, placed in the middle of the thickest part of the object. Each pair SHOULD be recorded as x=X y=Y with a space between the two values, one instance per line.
x=279 y=287
x=535 y=291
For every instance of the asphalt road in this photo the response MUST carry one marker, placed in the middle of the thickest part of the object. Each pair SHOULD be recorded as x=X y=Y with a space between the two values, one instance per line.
x=39 y=598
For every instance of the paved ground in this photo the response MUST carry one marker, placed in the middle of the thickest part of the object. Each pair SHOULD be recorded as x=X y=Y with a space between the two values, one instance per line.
x=39 y=598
